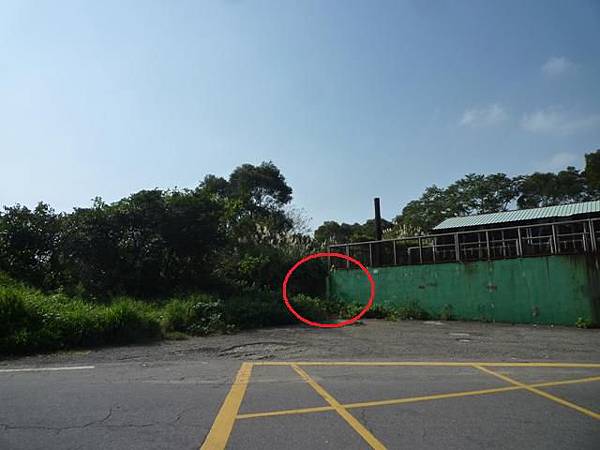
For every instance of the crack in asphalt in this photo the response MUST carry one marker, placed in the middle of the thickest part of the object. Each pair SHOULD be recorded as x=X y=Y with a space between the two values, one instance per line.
x=99 y=422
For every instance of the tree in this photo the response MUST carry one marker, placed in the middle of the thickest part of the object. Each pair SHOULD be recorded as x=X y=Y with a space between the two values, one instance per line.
x=331 y=232
x=549 y=189
x=28 y=244
x=435 y=205
x=592 y=171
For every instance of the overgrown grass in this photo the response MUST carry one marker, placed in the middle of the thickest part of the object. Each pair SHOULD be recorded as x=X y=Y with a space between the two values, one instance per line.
x=32 y=321
x=385 y=311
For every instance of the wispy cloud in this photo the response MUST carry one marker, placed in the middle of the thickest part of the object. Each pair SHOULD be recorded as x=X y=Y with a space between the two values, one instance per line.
x=557 y=66
x=559 y=161
x=558 y=121
x=484 y=117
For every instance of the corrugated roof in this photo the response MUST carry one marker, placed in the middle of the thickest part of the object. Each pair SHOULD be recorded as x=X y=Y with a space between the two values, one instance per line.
x=546 y=212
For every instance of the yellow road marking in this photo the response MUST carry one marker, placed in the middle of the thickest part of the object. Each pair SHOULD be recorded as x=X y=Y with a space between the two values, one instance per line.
x=285 y=412
x=355 y=424
x=554 y=398
x=413 y=399
x=427 y=363
x=219 y=433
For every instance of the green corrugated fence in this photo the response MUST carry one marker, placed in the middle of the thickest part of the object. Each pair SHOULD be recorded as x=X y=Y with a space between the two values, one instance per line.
x=547 y=290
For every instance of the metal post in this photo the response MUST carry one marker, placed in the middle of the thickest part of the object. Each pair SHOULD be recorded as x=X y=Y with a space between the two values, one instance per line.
x=519 y=243
x=593 y=236
x=370 y=255
x=347 y=254
x=584 y=238
x=554 y=241
x=487 y=241
x=433 y=249
x=376 y=254
x=420 y=252
x=378 y=231
x=395 y=258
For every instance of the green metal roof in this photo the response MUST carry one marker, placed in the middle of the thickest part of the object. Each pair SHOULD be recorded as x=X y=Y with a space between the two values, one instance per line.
x=547 y=212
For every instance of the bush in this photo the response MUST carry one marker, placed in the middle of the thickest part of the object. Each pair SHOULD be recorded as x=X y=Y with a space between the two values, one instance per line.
x=584 y=323
x=33 y=322
x=412 y=311
x=256 y=308
x=314 y=309
x=379 y=311
x=197 y=315
x=386 y=311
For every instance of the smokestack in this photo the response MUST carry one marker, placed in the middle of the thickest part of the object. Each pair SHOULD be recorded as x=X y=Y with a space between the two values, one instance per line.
x=378 y=232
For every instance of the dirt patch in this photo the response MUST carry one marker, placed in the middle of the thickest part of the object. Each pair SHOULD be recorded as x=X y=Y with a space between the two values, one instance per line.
x=403 y=340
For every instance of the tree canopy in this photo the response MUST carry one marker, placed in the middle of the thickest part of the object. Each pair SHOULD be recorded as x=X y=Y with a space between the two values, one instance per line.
x=222 y=234
x=478 y=194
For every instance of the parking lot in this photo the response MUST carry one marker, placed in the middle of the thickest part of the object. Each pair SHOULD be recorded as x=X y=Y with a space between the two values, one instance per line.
x=380 y=405
x=377 y=385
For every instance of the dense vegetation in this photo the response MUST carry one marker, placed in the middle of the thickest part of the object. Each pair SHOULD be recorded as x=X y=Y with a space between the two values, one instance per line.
x=161 y=263
x=157 y=263
x=477 y=194
x=223 y=236
x=31 y=320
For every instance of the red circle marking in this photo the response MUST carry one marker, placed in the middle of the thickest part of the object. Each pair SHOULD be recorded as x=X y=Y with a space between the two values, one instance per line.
x=328 y=325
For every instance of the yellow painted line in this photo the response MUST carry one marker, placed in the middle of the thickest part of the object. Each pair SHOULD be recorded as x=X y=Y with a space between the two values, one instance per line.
x=399 y=401
x=429 y=363
x=285 y=412
x=355 y=424
x=554 y=398
x=219 y=433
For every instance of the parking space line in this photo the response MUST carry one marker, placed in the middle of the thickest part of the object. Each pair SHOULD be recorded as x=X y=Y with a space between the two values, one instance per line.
x=554 y=398
x=286 y=412
x=399 y=401
x=429 y=363
x=349 y=418
x=219 y=433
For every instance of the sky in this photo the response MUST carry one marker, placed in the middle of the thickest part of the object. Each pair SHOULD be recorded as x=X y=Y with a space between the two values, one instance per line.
x=350 y=99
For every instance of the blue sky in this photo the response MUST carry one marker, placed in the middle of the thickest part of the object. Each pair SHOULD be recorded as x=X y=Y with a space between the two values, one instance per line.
x=351 y=99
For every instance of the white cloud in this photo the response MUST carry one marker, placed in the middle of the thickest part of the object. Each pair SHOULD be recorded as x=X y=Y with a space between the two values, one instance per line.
x=484 y=117
x=559 y=161
x=557 y=121
x=557 y=66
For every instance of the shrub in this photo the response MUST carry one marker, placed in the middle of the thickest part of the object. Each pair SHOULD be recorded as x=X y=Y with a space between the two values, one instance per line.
x=583 y=323
x=412 y=311
x=34 y=322
x=314 y=309
x=256 y=308
x=197 y=315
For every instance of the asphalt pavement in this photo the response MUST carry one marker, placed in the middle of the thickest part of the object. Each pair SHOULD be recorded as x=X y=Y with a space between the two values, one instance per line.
x=173 y=397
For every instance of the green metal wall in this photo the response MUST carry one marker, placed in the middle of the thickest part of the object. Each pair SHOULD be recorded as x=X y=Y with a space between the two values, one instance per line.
x=544 y=290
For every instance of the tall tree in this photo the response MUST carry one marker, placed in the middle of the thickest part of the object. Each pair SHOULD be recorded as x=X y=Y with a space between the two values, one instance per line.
x=592 y=170
x=548 y=189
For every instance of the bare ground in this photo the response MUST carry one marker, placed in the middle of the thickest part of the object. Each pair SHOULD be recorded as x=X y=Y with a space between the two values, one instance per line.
x=370 y=340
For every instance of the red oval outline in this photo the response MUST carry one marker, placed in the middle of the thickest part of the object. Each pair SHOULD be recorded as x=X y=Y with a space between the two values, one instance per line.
x=328 y=325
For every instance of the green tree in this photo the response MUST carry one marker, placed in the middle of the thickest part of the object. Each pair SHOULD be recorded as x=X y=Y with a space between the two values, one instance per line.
x=592 y=171
x=28 y=244
x=548 y=189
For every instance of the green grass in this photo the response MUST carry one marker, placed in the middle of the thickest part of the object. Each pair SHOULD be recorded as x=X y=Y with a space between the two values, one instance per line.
x=32 y=321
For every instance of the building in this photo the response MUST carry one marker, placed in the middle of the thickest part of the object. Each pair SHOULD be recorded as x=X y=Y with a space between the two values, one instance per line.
x=537 y=265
